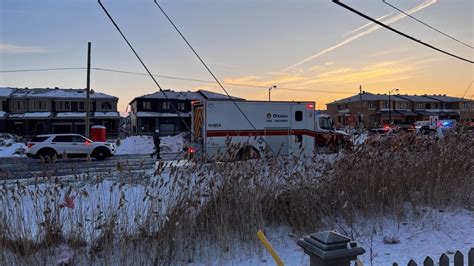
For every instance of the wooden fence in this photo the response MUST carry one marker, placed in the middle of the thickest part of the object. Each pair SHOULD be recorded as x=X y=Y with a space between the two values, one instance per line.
x=459 y=260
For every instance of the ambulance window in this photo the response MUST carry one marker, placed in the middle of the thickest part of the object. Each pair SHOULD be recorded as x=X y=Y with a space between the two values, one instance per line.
x=299 y=116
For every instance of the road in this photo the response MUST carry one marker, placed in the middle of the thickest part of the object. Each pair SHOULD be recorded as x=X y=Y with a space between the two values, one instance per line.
x=130 y=165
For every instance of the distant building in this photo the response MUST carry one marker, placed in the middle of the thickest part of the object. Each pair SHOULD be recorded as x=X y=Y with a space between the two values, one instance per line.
x=28 y=112
x=376 y=109
x=155 y=111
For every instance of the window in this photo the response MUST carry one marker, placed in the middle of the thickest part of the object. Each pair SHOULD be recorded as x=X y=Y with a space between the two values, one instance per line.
x=165 y=105
x=325 y=123
x=428 y=106
x=181 y=106
x=18 y=105
x=419 y=106
x=401 y=105
x=81 y=106
x=448 y=106
x=39 y=139
x=105 y=106
x=39 y=105
x=299 y=116
x=338 y=107
x=371 y=105
x=78 y=139
x=63 y=139
x=385 y=105
x=464 y=105
x=147 y=105
x=63 y=106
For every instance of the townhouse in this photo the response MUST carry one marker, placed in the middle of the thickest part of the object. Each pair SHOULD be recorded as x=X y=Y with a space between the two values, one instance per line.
x=28 y=112
x=155 y=111
x=378 y=109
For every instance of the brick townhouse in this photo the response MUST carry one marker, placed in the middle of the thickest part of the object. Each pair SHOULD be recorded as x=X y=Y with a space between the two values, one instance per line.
x=154 y=111
x=28 y=112
x=376 y=109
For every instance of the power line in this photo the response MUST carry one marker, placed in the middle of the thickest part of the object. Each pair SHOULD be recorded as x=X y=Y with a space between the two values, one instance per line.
x=399 y=32
x=429 y=26
x=144 y=66
x=171 y=77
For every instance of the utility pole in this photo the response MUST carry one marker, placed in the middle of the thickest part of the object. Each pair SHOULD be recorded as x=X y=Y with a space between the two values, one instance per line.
x=360 y=114
x=88 y=89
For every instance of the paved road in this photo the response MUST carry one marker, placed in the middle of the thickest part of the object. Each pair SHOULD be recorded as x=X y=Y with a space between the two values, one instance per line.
x=22 y=168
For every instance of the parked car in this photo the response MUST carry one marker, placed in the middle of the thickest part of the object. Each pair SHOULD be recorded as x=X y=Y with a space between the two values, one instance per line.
x=423 y=127
x=405 y=126
x=71 y=145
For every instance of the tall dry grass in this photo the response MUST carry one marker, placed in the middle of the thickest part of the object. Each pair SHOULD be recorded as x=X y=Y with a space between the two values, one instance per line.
x=202 y=210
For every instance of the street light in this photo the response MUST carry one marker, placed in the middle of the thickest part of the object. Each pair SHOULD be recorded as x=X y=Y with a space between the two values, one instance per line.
x=390 y=106
x=269 y=91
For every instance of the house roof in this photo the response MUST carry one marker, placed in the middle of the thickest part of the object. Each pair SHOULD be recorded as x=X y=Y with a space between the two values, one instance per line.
x=5 y=92
x=445 y=98
x=419 y=98
x=57 y=93
x=367 y=96
x=185 y=95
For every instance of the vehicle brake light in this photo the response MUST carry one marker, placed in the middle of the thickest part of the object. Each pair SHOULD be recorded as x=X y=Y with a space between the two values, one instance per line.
x=29 y=145
x=310 y=106
x=87 y=142
x=386 y=127
x=191 y=150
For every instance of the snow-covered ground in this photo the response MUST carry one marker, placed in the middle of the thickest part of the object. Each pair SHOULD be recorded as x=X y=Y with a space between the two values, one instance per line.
x=433 y=233
x=10 y=148
x=144 y=145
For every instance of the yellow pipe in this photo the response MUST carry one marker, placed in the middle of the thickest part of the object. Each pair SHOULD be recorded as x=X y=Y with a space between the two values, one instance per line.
x=269 y=247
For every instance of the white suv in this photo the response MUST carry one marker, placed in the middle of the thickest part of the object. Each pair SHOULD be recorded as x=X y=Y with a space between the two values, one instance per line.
x=70 y=145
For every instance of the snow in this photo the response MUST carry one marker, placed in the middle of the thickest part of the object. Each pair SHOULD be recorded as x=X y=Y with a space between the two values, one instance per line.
x=157 y=114
x=106 y=114
x=2 y=114
x=31 y=115
x=433 y=233
x=5 y=92
x=144 y=145
x=58 y=93
x=71 y=114
x=12 y=149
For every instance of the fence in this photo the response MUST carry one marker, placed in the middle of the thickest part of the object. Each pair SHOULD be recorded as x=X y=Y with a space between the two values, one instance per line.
x=444 y=260
x=330 y=248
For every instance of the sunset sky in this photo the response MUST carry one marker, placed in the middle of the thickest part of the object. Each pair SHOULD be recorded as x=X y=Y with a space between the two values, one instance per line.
x=310 y=49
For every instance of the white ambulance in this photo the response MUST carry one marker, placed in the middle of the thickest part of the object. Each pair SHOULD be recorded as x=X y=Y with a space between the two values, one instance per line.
x=277 y=128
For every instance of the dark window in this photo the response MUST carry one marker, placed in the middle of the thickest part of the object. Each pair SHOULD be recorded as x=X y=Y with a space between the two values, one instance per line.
x=106 y=106
x=181 y=106
x=81 y=106
x=63 y=139
x=165 y=105
x=146 y=105
x=77 y=139
x=299 y=116
x=39 y=139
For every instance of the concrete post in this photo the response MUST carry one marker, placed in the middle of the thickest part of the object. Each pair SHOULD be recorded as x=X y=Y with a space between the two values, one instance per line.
x=328 y=248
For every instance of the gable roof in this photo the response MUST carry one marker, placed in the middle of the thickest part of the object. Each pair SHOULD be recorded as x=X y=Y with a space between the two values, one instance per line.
x=367 y=96
x=185 y=95
x=56 y=93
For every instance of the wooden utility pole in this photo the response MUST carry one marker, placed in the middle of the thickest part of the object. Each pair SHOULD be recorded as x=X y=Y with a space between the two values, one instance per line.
x=360 y=113
x=88 y=89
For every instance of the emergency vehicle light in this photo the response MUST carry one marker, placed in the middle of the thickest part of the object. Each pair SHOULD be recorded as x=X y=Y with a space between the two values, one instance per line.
x=310 y=106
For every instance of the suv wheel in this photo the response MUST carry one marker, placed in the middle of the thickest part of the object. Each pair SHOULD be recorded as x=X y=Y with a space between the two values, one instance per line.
x=100 y=154
x=47 y=155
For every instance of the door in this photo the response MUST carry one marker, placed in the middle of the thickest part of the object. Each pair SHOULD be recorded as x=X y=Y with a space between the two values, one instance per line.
x=299 y=120
x=80 y=145
x=277 y=140
x=62 y=144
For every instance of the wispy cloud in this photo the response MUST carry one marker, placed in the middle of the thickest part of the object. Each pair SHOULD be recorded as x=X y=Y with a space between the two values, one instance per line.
x=366 y=25
x=389 y=21
x=6 y=48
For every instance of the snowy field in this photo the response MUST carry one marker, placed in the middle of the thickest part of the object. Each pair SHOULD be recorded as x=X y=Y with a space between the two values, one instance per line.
x=144 y=145
x=432 y=233
x=10 y=148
